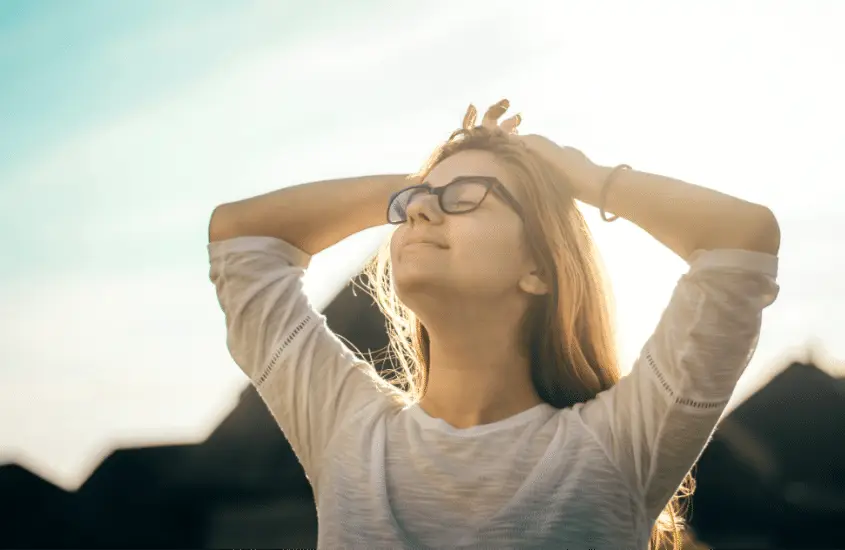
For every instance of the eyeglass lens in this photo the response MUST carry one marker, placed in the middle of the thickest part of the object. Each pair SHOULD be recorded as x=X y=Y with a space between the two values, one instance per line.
x=460 y=196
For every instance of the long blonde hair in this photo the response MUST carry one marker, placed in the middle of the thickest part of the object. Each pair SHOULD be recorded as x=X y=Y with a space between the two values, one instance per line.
x=572 y=348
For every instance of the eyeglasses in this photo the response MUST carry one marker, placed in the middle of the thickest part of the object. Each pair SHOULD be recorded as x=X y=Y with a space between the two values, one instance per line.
x=462 y=195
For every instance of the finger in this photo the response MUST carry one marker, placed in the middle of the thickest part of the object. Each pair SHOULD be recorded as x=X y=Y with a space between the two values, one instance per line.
x=492 y=115
x=509 y=126
x=469 y=118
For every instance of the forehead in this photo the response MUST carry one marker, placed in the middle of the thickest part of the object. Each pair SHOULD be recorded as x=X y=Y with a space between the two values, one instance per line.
x=469 y=163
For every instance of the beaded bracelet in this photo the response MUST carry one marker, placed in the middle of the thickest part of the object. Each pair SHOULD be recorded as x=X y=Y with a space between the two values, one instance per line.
x=603 y=196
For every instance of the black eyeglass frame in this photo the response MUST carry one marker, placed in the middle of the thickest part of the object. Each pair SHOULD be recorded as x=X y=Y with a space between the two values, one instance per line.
x=490 y=182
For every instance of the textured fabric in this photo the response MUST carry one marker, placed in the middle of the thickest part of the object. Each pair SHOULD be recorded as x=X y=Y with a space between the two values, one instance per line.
x=593 y=476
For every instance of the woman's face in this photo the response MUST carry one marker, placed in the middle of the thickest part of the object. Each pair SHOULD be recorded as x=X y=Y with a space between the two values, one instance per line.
x=478 y=254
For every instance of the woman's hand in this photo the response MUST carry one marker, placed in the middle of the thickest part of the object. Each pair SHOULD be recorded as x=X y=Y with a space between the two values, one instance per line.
x=584 y=176
x=491 y=118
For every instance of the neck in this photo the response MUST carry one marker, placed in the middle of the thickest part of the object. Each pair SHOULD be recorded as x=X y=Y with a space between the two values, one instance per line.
x=477 y=373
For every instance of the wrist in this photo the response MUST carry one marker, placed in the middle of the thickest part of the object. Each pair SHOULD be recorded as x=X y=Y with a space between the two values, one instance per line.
x=593 y=184
x=391 y=183
x=606 y=204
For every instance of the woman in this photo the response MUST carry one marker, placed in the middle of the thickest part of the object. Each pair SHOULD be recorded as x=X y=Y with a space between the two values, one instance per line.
x=508 y=425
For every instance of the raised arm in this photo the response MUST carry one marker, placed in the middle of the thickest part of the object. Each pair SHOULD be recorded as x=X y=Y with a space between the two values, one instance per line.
x=655 y=422
x=259 y=248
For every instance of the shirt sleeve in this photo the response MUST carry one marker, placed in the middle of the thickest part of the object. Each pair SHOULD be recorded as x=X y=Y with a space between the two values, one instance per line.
x=307 y=377
x=656 y=421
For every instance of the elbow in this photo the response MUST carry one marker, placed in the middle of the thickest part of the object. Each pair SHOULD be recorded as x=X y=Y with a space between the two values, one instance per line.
x=755 y=229
x=218 y=227
x=765 y=235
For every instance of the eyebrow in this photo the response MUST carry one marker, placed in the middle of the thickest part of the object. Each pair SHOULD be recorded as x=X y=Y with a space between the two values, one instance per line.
x=463 y=178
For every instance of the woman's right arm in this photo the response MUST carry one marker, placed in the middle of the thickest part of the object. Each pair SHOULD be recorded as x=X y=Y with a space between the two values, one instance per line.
x=311 y=216
x=259 y=248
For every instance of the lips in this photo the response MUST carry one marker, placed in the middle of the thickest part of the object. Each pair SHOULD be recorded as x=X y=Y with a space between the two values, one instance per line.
x=422 y=239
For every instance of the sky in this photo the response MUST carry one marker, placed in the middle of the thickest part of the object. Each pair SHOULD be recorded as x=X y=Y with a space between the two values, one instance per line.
x=122 y=125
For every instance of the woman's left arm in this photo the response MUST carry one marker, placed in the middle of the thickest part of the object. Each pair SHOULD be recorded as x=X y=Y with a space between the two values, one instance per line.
x=683 y=216
x=654 y=423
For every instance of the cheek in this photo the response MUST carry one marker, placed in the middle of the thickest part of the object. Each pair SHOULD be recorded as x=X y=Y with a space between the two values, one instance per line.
x=493 y=248
x=394 y=244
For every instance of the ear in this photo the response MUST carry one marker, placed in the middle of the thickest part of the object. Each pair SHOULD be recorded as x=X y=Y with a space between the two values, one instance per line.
x=532 y=283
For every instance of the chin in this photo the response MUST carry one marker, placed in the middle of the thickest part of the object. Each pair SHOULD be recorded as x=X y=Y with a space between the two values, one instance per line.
x=411 y=283
x=411 y=287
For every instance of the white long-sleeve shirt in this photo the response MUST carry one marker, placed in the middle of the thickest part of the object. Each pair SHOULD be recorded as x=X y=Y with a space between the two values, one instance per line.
x=592 y=476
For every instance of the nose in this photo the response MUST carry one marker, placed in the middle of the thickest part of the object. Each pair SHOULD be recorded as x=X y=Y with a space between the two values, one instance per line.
x=424 y=207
